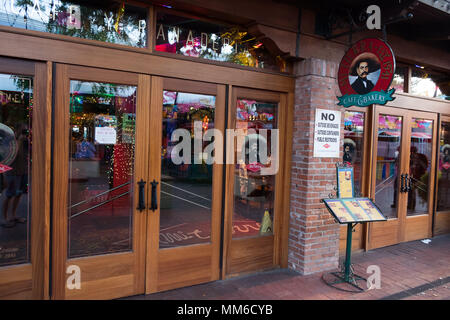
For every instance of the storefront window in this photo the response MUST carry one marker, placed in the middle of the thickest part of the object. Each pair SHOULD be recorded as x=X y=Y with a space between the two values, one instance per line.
x=113 y=22
x=16 y=104
x=195 y=38
x=354 y=144
x=186 y=186
x=101 y=168
x=254 y=191
x=398 y=82
x=443 y=192
x=423 y=85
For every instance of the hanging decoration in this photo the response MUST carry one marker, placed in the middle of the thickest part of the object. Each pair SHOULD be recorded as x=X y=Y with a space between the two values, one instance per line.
x=205 y=122
x=120 y=14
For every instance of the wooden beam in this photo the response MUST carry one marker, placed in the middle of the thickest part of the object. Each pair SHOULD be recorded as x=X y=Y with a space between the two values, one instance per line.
x=88 y=53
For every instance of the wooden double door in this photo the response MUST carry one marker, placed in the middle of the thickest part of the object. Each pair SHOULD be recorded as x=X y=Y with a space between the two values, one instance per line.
x=403 y=175
x=138 y=192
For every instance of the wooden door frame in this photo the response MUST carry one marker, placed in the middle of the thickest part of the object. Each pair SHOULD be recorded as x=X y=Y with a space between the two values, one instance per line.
x=402 y=218
x=395 y=222
x=277 y=242
x=196 y=263
x=433 y=117
x=31 y=280
x=441 y=219
x=37 y=45
x=101 y=267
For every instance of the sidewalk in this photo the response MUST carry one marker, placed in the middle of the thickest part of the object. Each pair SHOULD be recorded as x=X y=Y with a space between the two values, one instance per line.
x=412 y=270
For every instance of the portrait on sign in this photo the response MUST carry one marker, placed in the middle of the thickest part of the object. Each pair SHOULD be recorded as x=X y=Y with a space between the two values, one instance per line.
x=364 y=73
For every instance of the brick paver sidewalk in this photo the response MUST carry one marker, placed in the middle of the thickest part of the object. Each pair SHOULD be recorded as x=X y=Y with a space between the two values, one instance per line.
x=412 y=270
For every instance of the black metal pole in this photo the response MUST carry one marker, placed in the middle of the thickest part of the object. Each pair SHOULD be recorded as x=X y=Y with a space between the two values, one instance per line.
x=348 y=252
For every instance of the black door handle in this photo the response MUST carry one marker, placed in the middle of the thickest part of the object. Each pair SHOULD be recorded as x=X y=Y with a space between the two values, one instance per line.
x=154 y=204
x=141 y=202
x=402 y=185
x=408 y=183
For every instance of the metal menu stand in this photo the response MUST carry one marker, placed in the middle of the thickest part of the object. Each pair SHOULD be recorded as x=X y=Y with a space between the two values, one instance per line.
x=350 y=210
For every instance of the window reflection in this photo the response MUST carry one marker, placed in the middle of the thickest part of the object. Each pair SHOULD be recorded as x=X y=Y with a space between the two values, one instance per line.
x=443 y=192
x=354 y=144
x=196 y=38
x=101 y=168
x=388 y=164
x=16 y=96
x=420 y=165
x=108 y=21
x=398 y=82
x=423 y=85
x=186 y=187
x=253 y=192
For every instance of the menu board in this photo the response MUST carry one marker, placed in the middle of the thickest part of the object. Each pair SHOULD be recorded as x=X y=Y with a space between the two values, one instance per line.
x=350 y=210
x=345 y=182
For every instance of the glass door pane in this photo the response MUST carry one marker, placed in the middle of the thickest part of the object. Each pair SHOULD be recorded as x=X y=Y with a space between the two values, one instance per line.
x=443 y=192
x=420 y=166
x=388 y=164
x=101 y=168
x=254 y=192
x=16 y=104
x=186 y=172
x=354 y=144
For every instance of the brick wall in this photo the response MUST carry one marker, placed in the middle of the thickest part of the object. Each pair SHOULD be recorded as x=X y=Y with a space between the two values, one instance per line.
x=313 y=235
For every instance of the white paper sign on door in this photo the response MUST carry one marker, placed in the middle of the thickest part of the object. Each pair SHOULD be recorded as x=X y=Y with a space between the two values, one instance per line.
x=105 y=135
x=327 y=133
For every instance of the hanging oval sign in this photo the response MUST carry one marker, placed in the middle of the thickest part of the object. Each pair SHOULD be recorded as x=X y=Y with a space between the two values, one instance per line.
x=365 y=74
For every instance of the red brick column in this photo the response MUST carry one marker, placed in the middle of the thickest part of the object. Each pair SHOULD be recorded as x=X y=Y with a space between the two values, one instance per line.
x=313 y=234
